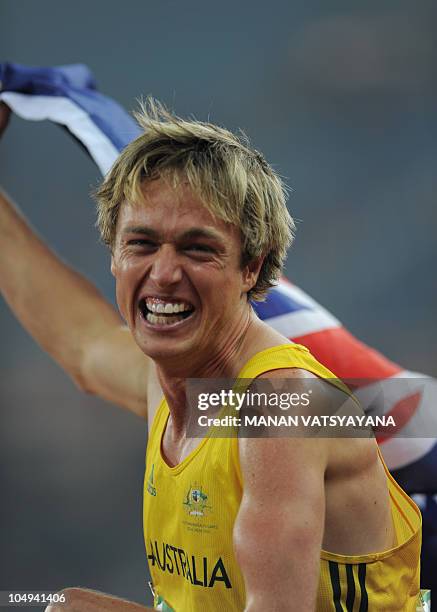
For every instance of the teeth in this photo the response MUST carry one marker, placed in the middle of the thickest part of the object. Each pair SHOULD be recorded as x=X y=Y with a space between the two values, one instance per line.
x=166 y=307
x=157 y=320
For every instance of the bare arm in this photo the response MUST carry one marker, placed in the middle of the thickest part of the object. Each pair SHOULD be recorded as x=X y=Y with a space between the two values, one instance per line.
x=68 y=317
x=85 y=600
x=279 y=529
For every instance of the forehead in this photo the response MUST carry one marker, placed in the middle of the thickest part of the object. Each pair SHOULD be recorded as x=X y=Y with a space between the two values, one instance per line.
x=169 y=209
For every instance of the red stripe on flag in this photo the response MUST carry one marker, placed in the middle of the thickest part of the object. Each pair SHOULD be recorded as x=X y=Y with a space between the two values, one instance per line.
x=401 y=412
x=347 y=357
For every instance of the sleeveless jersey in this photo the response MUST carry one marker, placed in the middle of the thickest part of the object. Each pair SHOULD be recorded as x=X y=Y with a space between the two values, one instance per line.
x=189 y=512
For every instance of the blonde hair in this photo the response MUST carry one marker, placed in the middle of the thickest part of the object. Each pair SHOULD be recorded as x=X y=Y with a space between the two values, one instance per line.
x=234 y=182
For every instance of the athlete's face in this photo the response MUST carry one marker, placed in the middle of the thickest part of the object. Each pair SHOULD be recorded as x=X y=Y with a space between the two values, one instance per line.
x=180 y=285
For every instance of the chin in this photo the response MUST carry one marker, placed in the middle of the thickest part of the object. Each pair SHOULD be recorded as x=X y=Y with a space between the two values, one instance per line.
x=163 y=349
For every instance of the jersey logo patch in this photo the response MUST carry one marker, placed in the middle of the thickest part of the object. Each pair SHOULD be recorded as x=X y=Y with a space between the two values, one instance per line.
x=196 y=501
x=150 y=486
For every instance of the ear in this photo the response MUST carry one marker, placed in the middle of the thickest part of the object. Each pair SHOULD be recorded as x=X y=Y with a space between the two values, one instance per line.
x=251 y=272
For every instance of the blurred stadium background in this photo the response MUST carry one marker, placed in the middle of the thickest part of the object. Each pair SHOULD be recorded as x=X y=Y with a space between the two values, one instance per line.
x=340 y=98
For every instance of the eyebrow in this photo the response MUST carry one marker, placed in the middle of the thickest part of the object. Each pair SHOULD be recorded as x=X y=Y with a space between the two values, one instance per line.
x=141 y=229
x=195 y=232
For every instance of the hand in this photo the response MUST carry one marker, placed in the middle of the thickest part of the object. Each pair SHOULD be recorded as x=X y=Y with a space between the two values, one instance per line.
x=84 y=600
x=5 y=113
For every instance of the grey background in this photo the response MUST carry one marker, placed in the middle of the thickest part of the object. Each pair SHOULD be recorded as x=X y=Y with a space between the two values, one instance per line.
x=341 y=100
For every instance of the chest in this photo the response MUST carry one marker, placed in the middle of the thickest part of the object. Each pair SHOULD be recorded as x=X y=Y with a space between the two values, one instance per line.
x=188 y=515
x=201 y=494
x=176 y=452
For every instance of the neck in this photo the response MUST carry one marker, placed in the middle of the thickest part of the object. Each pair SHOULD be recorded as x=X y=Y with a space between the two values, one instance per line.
x=225 y=360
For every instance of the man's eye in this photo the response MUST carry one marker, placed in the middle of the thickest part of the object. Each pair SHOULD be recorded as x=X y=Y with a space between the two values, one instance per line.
x=141 y=242
x=201 y=248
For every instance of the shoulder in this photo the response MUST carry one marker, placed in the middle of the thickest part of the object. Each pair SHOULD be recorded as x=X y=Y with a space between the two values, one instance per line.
x=288 y=373
x=298 y=383
x=280 y=449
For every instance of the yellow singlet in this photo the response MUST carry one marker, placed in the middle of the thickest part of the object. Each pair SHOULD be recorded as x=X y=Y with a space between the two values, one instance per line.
x=190 y=510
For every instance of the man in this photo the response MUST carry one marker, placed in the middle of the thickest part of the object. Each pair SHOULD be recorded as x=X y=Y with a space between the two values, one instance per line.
x=197 y=225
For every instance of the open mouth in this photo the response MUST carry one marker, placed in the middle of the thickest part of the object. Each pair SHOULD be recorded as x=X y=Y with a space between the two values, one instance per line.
x=162 y=312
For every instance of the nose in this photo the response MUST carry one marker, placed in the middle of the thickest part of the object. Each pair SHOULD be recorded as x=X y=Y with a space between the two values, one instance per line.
x=166 y=269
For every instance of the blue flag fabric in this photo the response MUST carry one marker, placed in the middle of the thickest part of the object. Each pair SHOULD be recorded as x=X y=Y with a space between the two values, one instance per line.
x=68 y=95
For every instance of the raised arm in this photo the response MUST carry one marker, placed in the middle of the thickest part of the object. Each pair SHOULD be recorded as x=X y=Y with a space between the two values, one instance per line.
x=279 y=529
x=66 y=315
